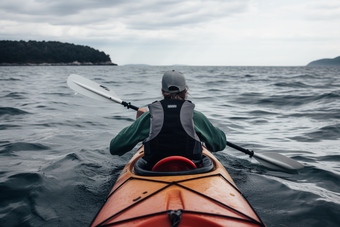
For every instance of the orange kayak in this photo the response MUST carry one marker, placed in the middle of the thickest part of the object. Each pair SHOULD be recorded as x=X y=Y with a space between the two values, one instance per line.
x=204 y=196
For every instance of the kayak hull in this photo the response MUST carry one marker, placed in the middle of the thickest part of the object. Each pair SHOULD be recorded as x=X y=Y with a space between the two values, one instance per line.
x=205 y=199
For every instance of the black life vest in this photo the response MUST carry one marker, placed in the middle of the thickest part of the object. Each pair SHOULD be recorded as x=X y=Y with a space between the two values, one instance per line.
x=172 y=132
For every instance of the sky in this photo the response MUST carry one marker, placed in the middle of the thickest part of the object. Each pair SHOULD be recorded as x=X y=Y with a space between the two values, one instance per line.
x=187 y=32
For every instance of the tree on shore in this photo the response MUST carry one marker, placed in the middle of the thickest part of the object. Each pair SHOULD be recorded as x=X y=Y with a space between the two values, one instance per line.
x=21 y=52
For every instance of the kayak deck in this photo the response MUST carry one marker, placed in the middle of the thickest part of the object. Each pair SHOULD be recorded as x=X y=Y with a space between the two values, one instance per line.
x=206 y=199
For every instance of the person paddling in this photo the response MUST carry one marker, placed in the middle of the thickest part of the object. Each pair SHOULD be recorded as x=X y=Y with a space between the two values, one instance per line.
x=171 y=127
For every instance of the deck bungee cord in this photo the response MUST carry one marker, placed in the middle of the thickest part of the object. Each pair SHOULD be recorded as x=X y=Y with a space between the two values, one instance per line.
x=178 y=213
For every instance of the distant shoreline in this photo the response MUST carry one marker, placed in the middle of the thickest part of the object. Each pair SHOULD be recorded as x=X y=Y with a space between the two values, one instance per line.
x=60 y=64
x=326 y=62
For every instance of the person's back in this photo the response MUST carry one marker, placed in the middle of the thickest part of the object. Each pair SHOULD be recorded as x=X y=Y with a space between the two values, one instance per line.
x=172 y=132
x=171 y=128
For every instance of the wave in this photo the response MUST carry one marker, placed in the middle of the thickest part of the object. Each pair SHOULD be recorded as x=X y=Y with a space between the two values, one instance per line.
x=8 y=126
x=261 y=113
x=330 y=132
x=17 y=198
x=306 y=76
x=121 y=118
x=15 y=95
x=8 y=148
x=286 y=100
x=9 y=79
x=292 y=84
x=317 y=114
x=330 y=158
x=11 y=111
x=21 y=181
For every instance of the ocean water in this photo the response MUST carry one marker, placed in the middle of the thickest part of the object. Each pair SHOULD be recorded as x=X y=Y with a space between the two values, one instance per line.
x=56 y=169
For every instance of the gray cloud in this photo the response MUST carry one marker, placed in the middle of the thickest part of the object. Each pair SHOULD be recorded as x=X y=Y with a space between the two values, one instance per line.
x=144 y=14
x=54 y=7
x=186 y=13
x=317 y=10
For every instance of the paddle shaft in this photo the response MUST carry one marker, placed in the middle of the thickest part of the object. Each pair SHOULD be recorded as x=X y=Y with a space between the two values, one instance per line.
x=246 y=151
x=129 y=106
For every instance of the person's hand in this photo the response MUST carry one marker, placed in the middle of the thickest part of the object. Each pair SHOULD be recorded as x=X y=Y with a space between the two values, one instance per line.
x=140 y=112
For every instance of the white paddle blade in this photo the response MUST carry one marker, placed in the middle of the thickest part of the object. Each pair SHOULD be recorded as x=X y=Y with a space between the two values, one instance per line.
x=91 y=89
x=277 y=161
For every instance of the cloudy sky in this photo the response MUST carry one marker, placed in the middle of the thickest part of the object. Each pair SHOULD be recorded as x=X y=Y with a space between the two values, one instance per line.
x=191 y=32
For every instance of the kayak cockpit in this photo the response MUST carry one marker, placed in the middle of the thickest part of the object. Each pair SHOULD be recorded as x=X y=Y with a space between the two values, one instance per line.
x=141 y=169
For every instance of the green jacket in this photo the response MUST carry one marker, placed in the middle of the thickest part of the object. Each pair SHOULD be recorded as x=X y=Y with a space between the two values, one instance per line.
x=213 y=138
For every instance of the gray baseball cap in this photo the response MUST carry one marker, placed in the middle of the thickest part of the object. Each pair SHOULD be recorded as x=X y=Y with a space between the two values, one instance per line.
x=173 y=82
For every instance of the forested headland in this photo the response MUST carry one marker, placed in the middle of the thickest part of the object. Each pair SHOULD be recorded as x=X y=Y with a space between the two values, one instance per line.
x=50 y=53
x=326 y=62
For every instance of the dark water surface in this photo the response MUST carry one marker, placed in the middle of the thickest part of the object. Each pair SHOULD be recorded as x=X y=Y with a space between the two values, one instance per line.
x=55 y=166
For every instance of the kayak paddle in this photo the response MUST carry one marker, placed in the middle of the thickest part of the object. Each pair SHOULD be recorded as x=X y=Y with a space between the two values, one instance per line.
x=271 y=160
x=100 y=92
x=93 y=90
